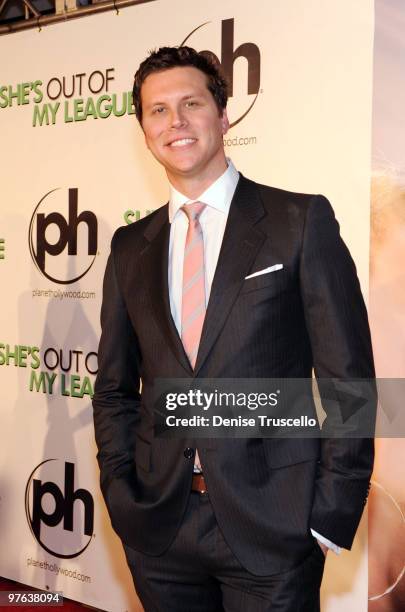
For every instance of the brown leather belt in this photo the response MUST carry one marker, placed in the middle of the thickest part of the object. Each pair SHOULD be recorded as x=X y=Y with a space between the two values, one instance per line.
x=198 y=483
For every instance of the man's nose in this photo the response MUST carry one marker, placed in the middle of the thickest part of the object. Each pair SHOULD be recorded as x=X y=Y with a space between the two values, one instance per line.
x=178 y=119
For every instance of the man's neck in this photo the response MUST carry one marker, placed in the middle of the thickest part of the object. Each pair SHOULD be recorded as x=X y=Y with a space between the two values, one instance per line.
x=193 y=186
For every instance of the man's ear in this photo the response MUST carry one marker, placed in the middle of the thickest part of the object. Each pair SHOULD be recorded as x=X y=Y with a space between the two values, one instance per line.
x=224 y=122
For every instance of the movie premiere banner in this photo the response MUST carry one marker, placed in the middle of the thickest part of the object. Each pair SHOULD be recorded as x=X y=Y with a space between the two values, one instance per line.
x=74 y=167
x=387 y=299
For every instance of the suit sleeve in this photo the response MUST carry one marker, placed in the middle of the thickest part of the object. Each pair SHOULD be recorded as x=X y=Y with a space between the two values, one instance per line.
x=117 y=396
x=337 y=324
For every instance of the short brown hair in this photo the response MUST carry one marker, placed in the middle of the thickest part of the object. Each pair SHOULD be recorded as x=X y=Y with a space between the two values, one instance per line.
x=172 y=57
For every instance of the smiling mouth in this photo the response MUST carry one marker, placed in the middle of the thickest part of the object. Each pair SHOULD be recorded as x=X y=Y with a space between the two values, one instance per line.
x=182 y=142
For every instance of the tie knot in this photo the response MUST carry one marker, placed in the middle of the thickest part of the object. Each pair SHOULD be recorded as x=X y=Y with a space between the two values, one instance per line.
x=193 y=210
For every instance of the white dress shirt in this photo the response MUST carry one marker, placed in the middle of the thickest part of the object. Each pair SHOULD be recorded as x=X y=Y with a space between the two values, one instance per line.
x=213 y=220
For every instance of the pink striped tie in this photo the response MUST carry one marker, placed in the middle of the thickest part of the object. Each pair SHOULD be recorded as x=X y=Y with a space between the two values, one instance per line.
x=193 y=298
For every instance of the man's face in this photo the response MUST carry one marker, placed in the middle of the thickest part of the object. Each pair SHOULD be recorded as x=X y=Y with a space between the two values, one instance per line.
x=182 y=126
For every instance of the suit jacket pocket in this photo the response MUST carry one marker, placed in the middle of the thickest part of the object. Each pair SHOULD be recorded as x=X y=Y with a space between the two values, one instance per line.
x=142 y=453
x=274 y=282
x=281 y=453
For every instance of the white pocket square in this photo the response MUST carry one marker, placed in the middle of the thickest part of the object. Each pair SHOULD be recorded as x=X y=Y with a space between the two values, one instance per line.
x=265 y=271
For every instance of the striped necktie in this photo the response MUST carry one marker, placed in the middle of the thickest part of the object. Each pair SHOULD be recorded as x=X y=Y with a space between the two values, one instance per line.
x=193 y=296
x=193 y=303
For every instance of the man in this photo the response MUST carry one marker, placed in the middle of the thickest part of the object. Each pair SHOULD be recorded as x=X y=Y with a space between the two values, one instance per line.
x=230 y=279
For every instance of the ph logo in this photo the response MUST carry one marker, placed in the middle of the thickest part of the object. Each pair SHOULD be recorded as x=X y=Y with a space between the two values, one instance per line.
x=54 y=239
x=60 y=517
x=242 y=102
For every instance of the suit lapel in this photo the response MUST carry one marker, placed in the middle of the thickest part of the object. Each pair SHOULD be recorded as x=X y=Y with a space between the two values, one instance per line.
x=154 y=266
x=240 y=245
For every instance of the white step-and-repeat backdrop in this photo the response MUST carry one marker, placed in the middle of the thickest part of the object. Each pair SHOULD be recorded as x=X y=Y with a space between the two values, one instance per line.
x=74 y=167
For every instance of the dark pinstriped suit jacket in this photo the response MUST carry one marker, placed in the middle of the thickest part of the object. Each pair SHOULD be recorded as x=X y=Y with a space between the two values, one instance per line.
x=266 y=493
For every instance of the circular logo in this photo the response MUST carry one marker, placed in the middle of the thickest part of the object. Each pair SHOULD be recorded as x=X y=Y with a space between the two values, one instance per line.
x=246 y=85
x=60 y=517
x=62 y=246
x=386 y=571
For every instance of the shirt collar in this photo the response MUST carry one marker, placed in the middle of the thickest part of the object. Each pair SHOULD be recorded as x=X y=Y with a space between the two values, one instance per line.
x=218 y=195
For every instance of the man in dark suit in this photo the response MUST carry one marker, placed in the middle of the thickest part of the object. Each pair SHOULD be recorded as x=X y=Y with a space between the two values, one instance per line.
x=230 y=279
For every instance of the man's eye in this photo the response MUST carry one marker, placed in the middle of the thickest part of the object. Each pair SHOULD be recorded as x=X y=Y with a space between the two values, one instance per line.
x=191 y=103
x=158 y=110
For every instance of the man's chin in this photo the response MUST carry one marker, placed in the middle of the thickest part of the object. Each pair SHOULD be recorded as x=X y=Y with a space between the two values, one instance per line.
x=184 y=170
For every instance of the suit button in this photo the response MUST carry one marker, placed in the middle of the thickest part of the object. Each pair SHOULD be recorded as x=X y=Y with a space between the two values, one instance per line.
x=189 y=453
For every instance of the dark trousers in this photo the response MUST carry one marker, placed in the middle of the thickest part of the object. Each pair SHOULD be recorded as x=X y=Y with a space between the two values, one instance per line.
x=199 y=573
